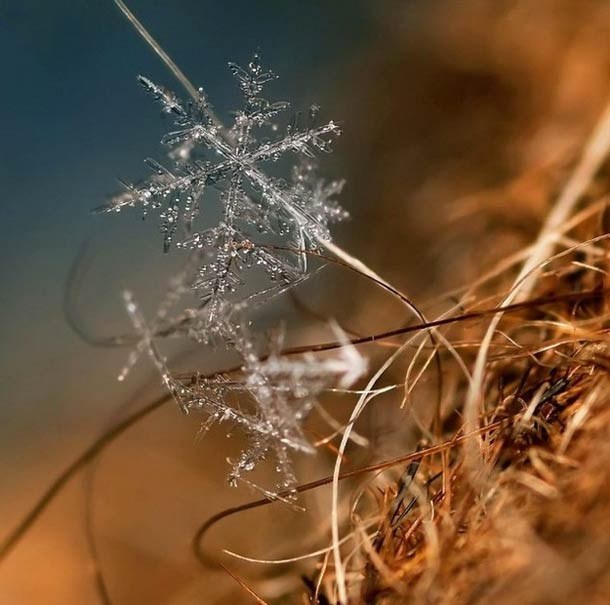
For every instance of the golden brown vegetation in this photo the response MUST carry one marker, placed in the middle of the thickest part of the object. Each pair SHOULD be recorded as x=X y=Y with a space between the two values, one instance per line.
x=496 y=113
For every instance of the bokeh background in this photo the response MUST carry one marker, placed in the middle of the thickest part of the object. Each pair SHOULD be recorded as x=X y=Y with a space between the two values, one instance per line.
x=73 y=120
x=448 y=107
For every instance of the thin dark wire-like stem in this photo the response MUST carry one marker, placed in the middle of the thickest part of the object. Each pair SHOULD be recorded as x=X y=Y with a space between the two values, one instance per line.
x=112 y=434
x=70 y=471
x=305 y=487
x=78 y=269
x=100 y=580
x=528 y=304
x=249 y=590
x=409 y=304
x=463 y=317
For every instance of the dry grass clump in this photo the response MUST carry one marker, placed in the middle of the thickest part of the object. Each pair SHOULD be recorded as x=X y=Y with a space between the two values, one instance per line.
x=529 y=523
x=507 y=498
x=487 y=127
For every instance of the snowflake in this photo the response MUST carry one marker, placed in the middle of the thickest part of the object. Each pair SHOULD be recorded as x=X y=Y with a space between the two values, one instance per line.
x=268 y=223
x=283 y=390
x=206 y=155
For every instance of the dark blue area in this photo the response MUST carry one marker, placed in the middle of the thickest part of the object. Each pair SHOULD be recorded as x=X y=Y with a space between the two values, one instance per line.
x=73 y=119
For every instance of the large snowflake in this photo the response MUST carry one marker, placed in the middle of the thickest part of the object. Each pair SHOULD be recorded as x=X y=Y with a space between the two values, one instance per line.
x=253 y=202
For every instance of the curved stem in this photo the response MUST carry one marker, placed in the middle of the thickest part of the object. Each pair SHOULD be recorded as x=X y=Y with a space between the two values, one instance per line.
x=71 y=470
x=197 y=542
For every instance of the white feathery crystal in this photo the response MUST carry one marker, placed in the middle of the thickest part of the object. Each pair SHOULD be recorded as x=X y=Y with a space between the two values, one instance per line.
x=273 y=395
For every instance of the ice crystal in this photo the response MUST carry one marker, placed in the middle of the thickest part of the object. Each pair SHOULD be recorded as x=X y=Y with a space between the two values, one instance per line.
x=283 y=391
x=267 y=222
x=233 y=160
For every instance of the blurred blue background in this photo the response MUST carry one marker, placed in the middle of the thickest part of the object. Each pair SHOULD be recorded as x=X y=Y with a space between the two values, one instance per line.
x=73 y=120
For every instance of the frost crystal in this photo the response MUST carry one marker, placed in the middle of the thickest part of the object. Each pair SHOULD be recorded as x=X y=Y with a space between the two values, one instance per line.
x=205 y=155
x=268 y=223
x=282 y=390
